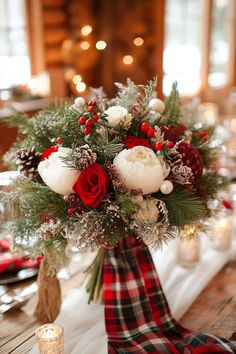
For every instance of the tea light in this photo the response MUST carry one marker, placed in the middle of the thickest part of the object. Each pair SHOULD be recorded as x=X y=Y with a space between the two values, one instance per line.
x=50 y=339
x=208 y=113
x=188 y=247
x=223 y=232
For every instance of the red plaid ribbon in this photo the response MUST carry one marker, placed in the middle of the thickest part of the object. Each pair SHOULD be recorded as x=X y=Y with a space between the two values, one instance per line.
x=137 y=316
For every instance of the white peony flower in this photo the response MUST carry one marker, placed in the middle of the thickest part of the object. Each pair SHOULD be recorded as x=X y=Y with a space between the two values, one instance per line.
x=148 y=211
x=56 y=175
x=140 y=168
x=117 y=115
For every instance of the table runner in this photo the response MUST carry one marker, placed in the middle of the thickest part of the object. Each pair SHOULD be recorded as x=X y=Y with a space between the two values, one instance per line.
x=84 y=325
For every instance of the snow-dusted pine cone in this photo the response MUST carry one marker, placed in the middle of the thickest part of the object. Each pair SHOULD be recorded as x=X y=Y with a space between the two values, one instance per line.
x=27 y=161
x=84 y=157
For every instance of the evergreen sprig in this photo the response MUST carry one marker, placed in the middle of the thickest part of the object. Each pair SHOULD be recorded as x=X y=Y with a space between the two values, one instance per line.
x=172 y=110
x=211 y=184
x=183 y=207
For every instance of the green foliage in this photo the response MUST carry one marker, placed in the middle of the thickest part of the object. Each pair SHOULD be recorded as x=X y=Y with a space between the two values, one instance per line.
x=105 y=149
x=172 y=110
x=211 y=184
x=18 y=120
x=183 y=207
x=125 y=203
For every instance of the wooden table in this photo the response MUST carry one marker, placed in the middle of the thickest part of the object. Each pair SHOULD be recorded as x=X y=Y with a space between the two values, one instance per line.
x=214 y=311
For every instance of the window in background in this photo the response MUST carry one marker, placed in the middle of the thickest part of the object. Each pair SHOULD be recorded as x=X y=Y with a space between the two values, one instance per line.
x=14 y=58
x=220 y=44
x=182 y=53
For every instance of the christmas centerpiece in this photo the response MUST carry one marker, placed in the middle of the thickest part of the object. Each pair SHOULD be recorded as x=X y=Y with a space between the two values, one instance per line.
x=112 y=175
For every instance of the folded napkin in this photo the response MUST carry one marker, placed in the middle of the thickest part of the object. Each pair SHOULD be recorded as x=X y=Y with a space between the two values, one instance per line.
x=10 y=263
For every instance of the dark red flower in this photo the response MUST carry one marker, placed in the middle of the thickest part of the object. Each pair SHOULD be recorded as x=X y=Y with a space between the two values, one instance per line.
x=48 y=152
x=132 y=141
x=173 y=133
x=92 y=185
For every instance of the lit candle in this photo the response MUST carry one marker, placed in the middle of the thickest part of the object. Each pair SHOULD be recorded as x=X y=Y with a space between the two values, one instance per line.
x=188 y=247
x=50 y=339
x=223 y=231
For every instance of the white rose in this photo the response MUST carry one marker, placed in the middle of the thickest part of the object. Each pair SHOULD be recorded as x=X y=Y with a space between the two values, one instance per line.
x=148 y=211
x=117 y=115
x=140 y=168
x=56 y=175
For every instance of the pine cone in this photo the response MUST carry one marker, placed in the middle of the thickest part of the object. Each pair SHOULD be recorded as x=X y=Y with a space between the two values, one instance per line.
x=84 y=157
x=27 y=161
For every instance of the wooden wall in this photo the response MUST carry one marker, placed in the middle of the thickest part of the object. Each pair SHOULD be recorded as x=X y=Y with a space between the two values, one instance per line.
x=116 y=22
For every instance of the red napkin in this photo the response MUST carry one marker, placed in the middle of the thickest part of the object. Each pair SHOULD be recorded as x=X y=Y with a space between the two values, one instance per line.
x=10 y=263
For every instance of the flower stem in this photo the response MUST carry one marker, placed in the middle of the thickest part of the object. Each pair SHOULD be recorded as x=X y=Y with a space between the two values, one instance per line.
x=94 y=274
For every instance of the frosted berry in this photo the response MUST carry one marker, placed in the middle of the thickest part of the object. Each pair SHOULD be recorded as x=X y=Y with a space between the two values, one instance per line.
x=91 y=109
x=227 y=204
x=95 y=116
x=59 y=140
x=203 y=133
x=70 y=211
x=169 y=144
x=87 y=131
x=89 y=123
x=151 y=133
x=80 y=208
x=144 y=127
x=158 y=146
x=82 y=120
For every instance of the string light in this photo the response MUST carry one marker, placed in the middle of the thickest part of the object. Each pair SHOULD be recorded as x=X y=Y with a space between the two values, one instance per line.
x=100 y=45
x=138 y=41
x=128 y=59
x=80 y=87
x=76 y=79
x=69 y=74
x=84 y=45
x=86 y=30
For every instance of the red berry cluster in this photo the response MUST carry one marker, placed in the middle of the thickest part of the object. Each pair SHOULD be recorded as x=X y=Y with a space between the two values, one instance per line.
x=200 y=136
x=159 y=146
x=88 y=120
x=146 y=129
x=75 y=205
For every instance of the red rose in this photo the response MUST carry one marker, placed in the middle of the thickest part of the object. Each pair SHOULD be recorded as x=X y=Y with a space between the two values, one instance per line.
x=132 y=141
x=92 y=185
x=48 y=152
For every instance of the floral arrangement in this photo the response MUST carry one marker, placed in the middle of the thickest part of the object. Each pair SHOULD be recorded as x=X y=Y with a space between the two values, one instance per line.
x=92 y=172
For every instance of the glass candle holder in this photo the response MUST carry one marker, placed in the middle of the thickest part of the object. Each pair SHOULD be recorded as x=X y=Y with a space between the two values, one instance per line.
x=50 y=339
x=188 y=253
x=223 y=231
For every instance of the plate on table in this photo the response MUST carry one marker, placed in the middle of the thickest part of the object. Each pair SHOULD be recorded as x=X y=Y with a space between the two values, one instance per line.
x=23 y=274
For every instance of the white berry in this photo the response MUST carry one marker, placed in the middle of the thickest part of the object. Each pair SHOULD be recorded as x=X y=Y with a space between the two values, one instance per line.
x=156 y=105
x=80 y=102
x=166 y=187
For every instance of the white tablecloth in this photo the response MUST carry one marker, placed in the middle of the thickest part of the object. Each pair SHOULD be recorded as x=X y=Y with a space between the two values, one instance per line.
x=84 y=324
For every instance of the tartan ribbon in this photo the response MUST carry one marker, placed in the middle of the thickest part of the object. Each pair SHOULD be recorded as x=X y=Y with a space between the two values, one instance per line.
x=137 y=315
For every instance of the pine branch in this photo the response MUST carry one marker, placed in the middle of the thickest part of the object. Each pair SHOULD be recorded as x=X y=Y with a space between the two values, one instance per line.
x=106 y=150
x=172 y=111
x=183 y=207
x=18 y=120
x=211 y=184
